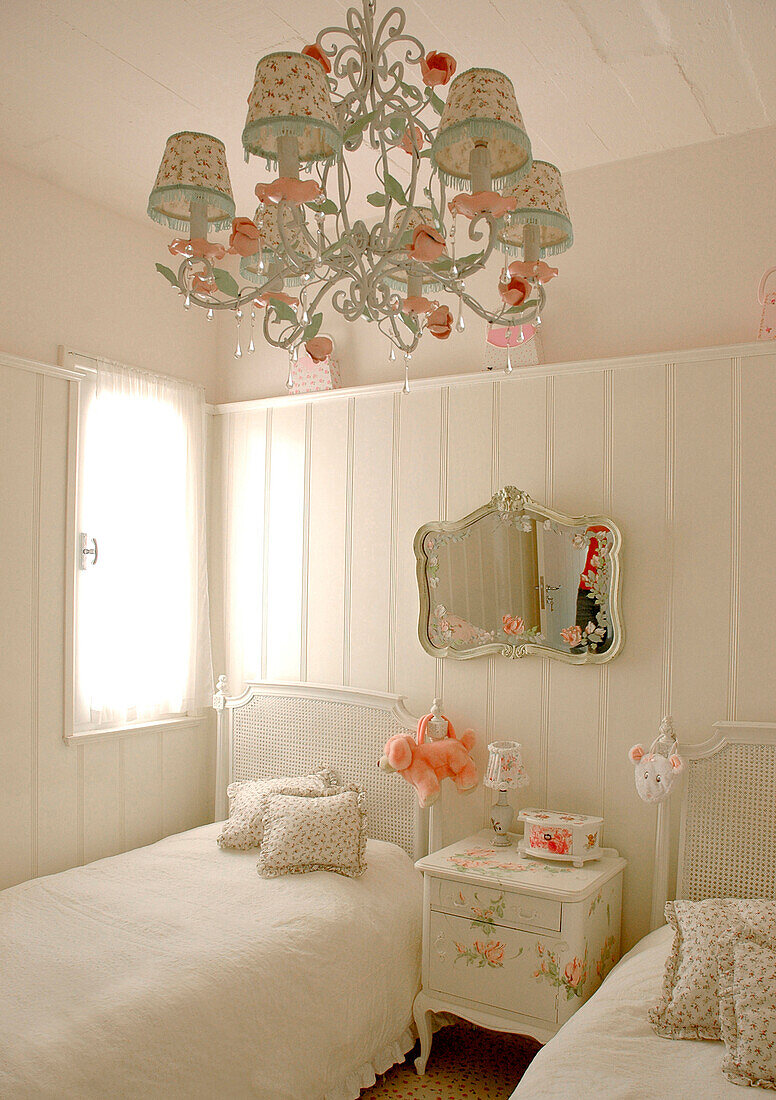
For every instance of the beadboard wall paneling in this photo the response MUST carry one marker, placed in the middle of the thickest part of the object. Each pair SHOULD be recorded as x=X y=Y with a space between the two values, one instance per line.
x=61 y=804
x=681 y=452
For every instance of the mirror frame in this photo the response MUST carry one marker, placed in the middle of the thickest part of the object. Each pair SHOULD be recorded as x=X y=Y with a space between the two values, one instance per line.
x=513 y=501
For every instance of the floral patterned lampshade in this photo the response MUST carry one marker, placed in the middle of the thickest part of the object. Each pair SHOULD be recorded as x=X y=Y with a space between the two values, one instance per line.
x=540 y=201
x=481 y=108
x=505 y=769
x=193 y=169
x=418 y=215
x=290 y=96
x=271 y=248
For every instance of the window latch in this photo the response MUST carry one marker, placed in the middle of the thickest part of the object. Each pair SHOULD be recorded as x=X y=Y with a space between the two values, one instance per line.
x=88 y=554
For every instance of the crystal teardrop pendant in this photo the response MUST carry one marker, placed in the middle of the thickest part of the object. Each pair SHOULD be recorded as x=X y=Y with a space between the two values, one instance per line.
x=209 y=315
x=290 y=379
x=520 y=335
x=391 y=354
x=460 y=324
x=509 y=359
x=251 y=345
x=238 y=349
x=187 y=301
x=406 y=387
x=538 y=320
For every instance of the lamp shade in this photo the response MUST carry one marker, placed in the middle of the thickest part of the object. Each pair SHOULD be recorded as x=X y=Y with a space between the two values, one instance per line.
x=290 y=96
x=505 y=769
x=271 y=252
x=481 y=107
x=418 y=215
x=540 y=201
x=193 y=169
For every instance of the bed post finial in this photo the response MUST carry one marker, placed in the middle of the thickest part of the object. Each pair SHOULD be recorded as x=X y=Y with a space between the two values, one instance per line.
x=220 y=694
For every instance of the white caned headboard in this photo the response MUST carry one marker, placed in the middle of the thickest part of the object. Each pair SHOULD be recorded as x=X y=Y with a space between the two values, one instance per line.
x=277 y=729
x=727 y=832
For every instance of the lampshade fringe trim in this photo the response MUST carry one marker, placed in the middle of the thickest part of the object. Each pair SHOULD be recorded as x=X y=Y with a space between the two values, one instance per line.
x=188 y=193
x=482 y=128
x=289 y=126
x=548 y=218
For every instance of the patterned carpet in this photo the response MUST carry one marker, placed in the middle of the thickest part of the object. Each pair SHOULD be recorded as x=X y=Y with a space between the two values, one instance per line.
x=466 y=1063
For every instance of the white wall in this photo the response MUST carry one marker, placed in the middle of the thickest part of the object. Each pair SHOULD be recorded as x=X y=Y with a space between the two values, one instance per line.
x=80 y=275
x=668 y=252
x=680 y=452
x=76 y=275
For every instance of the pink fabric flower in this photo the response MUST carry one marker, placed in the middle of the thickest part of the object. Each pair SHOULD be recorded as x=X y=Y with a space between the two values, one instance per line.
x=319 y=348
x=406 y=141
x=515 y=291
x=418 y=305
x=428 y=244
x=437 y=68
x=572 y=635
x=290 y=190
x=244 y=239
x=199 y=248
x=513 y=624
x=574 y=972
x=315 y=51
x=202 y=285
x=482 y=202
x=276 y=295
x=440 y=323
x=540 y=271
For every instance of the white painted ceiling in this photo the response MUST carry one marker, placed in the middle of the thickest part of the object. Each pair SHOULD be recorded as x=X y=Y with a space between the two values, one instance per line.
x=90 y=89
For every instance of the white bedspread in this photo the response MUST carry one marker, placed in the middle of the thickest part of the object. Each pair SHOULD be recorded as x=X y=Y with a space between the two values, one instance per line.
x=608 y=1048
x=176 y=971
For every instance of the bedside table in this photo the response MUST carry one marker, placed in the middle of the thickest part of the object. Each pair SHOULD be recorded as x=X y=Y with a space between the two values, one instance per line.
x=513 y=943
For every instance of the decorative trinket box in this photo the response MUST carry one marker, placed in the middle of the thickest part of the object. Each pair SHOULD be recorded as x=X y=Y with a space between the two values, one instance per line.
x=551 y=834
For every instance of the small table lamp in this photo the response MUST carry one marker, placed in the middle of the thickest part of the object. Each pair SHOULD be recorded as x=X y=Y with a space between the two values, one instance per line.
x=505 y=772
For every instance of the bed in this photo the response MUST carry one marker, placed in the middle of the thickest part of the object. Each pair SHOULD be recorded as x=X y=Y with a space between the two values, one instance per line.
x=175 y=970
x=727 y=848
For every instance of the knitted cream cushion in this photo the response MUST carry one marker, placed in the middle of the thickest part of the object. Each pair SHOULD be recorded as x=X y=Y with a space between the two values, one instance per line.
x=248 y=798
x=314 y=834
x=689 y=1005
x=747 y=1004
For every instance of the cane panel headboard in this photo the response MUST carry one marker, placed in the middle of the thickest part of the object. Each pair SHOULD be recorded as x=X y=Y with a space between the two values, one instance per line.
x=727 y=838
x=277 y=729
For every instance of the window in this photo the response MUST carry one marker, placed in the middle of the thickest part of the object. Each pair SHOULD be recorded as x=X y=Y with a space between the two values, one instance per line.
x=141 y=642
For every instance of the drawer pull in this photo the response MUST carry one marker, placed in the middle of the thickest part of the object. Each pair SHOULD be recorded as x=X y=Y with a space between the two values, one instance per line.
x=438 y=945
x=525 y=915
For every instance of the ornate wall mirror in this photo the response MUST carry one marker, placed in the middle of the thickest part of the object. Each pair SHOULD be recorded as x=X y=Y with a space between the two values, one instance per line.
x=517 y=578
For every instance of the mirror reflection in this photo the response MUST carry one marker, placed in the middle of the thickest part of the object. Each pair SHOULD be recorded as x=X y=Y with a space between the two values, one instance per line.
x=516 y=577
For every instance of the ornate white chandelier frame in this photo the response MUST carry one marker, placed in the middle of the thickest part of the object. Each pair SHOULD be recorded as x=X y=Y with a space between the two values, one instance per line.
x=355 y=265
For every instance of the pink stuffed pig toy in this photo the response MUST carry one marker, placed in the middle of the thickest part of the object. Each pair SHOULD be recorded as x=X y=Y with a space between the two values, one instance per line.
x=424 y=765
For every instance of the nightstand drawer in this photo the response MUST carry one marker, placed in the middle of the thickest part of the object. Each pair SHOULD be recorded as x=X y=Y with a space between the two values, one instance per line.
x=491 y=906
x=501 y=968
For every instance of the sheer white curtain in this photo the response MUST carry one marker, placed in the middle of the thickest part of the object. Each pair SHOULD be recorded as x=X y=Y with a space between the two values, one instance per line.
x=142 y=621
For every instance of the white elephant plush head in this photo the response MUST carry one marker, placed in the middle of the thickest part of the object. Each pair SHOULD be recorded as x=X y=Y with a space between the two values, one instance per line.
x=655 y=772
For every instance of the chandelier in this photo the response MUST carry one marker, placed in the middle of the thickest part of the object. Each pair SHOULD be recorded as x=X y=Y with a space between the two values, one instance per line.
x=473 y=189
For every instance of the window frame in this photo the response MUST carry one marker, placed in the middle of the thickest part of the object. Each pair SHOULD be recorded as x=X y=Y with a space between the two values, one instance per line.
x=81 y=368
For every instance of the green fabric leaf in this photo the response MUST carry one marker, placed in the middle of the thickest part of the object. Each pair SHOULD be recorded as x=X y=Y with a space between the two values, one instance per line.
x=314 y=326
x=225 y=282
x=377 y=198
x=284 y=311
x=436 y=103
x=356 y=127
x=327 y=206
x=409 y=321
x=395 y=190
x=170 y=276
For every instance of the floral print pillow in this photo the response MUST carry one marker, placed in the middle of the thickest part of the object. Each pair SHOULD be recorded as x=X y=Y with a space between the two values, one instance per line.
x=248 y=799
x=689 y=1006
x=314 y=834
x=747 y=1006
